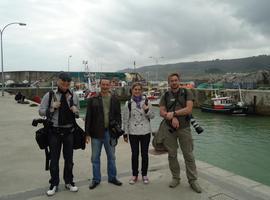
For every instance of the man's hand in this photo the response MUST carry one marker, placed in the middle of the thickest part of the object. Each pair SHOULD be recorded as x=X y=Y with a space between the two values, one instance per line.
x=87 y=139
x=169 y=116
x=74 y=109
x=56 y=104
x=175 y=123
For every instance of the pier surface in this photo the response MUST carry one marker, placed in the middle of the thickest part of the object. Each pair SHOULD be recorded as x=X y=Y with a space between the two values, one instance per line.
x=23 y=176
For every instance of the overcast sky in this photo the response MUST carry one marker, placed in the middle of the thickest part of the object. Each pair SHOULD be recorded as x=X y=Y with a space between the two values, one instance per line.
x=111 y=34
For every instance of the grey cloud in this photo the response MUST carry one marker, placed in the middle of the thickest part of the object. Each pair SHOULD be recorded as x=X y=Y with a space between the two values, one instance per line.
x=255 y=13
x=172 y=29
x=115 y=33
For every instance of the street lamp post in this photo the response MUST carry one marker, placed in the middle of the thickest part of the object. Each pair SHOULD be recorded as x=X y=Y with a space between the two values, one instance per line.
x=156 y=59
x=2 y=57
x=69 y=61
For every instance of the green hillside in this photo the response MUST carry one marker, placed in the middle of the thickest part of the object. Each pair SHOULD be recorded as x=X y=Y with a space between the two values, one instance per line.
x=202 y=69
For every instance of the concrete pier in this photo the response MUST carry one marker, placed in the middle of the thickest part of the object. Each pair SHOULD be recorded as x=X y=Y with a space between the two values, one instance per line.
x=23 y=176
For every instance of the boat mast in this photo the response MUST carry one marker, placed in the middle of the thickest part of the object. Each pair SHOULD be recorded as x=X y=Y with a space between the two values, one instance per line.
x=240 y=94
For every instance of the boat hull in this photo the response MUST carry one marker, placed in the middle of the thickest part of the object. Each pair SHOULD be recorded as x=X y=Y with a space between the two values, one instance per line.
x=233 y=110
x=155 y=102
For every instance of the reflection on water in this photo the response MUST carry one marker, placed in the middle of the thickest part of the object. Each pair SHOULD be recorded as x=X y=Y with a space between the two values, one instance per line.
x=240 y=144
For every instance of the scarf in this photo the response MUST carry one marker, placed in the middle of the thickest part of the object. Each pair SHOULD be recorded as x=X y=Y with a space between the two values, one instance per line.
x=137 y=100
x=65 y=114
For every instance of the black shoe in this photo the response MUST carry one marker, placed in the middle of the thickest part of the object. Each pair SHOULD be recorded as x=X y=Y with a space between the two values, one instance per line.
x=115 y=182
x=93 y=185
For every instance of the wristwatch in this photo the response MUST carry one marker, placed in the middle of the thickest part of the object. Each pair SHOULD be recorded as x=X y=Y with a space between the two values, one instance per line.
x=174 y=113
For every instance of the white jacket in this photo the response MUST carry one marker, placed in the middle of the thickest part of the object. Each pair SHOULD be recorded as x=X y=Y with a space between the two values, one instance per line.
x=137 y=123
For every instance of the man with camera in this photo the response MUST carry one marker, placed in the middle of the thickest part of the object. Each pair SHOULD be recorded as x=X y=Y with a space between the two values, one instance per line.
x=102 y=109
x=175 y=106
x=61 y=114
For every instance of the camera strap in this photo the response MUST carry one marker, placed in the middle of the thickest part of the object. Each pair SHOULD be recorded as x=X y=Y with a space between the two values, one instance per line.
x=182 y=91
x=48 y=113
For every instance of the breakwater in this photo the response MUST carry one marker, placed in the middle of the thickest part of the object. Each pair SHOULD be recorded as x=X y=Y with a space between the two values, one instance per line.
x=257 y=100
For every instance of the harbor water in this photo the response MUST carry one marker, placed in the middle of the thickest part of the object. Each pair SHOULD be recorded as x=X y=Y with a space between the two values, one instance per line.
x=239 y=144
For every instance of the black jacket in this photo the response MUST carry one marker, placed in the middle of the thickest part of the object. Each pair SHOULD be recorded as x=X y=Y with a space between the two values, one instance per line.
x=94 y=120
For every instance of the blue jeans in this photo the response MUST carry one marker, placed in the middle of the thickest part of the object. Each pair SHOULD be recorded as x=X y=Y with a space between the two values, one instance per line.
x=96 y=146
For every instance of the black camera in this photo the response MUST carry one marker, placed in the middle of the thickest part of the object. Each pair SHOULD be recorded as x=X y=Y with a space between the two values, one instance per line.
x=195 y=124
x=116 y=130
x=35 y=122
x=45 y=122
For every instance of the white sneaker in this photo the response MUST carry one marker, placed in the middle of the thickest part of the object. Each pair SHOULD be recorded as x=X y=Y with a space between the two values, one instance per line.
x=133 y=180
x=52 y=190
x=71 y=187
x=145 y=179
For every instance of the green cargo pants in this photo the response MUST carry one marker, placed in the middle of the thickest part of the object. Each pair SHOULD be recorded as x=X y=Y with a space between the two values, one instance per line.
x=184 y=137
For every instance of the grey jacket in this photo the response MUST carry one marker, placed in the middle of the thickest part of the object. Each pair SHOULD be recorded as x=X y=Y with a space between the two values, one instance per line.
x=137 y=123
x=44 y=105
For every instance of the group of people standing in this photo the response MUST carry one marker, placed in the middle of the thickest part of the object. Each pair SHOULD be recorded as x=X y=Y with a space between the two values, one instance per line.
x=104 y=108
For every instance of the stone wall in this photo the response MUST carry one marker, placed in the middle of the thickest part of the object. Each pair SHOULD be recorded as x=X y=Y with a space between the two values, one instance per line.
x=257 y=100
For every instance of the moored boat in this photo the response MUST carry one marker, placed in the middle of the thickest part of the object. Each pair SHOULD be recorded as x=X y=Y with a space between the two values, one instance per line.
x=153 y=97
x=224 y=105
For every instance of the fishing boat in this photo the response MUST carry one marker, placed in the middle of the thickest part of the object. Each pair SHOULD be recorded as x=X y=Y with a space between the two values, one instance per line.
x=225 y=105
x=153 y=97
x=90 y=90
x=82 y=98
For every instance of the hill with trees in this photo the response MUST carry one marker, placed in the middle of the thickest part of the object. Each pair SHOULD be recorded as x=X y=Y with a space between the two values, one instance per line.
x=199 y=70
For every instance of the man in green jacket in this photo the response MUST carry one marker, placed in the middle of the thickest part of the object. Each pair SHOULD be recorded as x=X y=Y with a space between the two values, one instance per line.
x=174 y=108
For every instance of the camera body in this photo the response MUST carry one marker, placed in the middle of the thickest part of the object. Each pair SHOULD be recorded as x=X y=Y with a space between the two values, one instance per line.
x=45 y=122
x=193 y=122
x=116 y=130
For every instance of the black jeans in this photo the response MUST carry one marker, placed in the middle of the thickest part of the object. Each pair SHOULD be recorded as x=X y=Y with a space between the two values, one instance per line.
x=135 y=141
x=57 y=137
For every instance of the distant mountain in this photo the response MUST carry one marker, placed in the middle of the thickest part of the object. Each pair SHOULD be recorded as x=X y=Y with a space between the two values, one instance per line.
x=202 y=69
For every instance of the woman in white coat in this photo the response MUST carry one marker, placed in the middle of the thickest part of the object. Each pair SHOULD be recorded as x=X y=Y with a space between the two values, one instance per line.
x=136 y=123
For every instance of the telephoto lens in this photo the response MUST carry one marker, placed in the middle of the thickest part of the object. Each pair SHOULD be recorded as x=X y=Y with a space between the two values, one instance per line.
x=196 y=126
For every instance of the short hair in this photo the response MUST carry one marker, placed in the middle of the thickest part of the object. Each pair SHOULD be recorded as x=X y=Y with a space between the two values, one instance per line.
x=64 y=76
x=103 y=78
x=173 y=74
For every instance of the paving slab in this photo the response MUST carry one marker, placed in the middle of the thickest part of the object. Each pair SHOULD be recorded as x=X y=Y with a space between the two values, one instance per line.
x=23 y=176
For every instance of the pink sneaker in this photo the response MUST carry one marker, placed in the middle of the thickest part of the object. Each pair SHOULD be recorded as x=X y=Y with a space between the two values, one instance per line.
x=133 y=180
x=145 y=179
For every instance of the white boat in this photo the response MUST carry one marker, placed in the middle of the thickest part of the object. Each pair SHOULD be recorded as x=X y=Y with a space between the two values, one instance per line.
x=153 y=97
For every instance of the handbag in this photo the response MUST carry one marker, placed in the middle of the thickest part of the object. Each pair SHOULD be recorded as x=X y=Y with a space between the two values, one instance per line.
x=42 y=138
x=159 y=136
x=79 y=137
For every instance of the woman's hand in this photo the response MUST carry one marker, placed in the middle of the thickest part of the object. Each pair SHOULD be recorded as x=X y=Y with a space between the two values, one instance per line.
x=125 y=138
x=145 y=107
